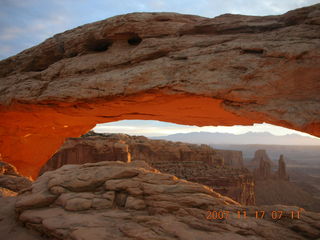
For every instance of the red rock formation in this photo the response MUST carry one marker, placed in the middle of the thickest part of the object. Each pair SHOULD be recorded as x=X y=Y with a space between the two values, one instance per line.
x=197 y=163
x=260 y=155
x=94 y=147
x=185 y=69
x=264 y=171
x=282 y=173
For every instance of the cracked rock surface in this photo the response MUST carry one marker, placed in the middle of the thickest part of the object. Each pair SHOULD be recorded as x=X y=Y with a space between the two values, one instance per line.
x=116 y=200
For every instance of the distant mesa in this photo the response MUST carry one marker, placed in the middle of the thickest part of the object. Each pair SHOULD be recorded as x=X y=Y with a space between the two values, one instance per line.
x=246 y=138
x=261 y=156
x=263 y=167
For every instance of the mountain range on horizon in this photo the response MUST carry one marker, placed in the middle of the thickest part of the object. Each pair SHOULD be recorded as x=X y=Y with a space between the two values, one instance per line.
x=265 y=138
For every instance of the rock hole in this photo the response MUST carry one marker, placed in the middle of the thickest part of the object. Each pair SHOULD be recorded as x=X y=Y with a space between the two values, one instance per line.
x=99 y=45
x=135 y=40
x=252 y=51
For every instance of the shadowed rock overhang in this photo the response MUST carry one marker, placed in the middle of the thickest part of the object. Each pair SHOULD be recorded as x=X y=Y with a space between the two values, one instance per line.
x=228 y=70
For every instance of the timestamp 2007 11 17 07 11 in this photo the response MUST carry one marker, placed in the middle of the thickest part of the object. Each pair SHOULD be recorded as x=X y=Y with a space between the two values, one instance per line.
x=258 y=214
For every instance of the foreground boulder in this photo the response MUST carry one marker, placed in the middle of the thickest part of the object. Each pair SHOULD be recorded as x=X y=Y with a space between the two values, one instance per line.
x=116 y=200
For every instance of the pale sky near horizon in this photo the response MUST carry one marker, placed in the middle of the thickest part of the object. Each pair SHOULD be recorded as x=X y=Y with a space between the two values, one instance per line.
x=151 y=128
x=25 y=23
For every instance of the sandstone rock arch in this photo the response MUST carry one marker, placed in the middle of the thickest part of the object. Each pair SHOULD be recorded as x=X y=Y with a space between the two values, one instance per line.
x=228 y=70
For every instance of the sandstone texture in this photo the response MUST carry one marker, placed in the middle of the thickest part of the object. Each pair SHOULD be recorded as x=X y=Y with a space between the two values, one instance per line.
x=197 y=163
x=116 y=200
x=228 y=70
x=11 y=181
x=10 y=229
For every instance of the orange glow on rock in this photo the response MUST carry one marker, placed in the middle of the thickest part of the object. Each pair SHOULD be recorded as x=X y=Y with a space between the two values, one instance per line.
x=31 y=133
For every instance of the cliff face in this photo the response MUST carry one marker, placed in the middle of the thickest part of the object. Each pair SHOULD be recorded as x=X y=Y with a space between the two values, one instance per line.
x=197 y=163
x=231 y=158
x=282 y=172
x=185 y=69
x=264 y=171
x=272 y=185
x=261 y=157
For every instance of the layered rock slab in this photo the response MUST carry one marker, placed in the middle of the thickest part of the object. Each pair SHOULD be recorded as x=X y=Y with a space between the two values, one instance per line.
x=134 y=201
x=186 y=69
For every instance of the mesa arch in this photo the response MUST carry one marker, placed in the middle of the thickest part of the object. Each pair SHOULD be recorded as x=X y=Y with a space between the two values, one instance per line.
x=186 y=69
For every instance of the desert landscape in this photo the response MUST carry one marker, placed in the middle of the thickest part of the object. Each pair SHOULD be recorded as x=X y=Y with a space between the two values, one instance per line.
x=61 y=180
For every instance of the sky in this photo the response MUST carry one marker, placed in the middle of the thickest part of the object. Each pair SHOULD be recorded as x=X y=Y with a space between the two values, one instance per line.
x=151 y=128
x=25 y=23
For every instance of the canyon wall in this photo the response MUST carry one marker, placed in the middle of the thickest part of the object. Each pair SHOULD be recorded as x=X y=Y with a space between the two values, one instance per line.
x=260 y=155
x=228 y=70
x=231 y=158
x=273 y=185
x=263 y=167
x=197 y=163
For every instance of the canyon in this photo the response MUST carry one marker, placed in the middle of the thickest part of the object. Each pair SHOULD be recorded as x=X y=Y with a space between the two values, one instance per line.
x=262 y=182
x=228 y=70
x=196 y=163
